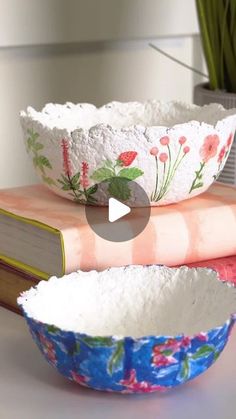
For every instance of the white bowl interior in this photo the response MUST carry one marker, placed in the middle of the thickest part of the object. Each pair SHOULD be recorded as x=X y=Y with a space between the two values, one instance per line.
x=124 y=115
x=133 y=301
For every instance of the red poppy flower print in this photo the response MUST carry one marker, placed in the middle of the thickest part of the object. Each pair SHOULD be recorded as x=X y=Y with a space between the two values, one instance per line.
x=127 y=158
x=133 y=386
x=230 y=139
x=221 y=154
x=209 y=147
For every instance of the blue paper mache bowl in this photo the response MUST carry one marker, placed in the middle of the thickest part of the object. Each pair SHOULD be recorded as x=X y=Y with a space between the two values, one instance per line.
x=134 y=329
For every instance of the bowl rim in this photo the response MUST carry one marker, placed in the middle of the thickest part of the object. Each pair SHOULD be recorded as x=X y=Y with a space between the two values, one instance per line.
x=227 y=114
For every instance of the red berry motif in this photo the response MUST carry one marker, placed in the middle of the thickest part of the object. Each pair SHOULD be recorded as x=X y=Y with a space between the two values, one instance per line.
x=163 y=157
x=154 y=151
x=186 y=149
x=127 y=158
x=164 y=140
x=182 y=140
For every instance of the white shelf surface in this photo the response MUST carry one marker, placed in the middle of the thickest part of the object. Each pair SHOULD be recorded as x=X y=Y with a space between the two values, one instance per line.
x=31 y=389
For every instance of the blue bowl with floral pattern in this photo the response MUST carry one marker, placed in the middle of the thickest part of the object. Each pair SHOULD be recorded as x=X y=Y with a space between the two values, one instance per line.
x=169 y=325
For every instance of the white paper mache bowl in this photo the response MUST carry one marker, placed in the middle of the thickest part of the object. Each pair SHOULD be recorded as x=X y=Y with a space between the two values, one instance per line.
x=174 y=151
x=134 y=329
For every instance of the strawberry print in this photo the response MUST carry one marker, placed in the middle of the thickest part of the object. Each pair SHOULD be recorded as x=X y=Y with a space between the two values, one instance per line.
x=127 y=158
x=118 y=174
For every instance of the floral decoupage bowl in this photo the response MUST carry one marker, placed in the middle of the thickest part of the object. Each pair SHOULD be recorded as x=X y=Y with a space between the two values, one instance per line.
x=172 y=150
x=131 y=329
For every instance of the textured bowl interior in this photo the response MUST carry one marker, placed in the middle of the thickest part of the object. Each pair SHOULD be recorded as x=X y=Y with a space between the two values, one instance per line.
x=134 y=301
x=123 y=115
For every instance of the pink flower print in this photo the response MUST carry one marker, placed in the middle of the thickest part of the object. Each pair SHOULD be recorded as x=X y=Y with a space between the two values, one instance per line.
x=230 y=139
x=209 y=147
x=48 y=349
x=132 y=385
x=51 y=355
x=84 y=175
x=66 y=158
x=154 y=151
x=186 y=149
x=221 y=154
x=164 y=140
x=202 y=336
x=163 y=361
x=170 y=344
x=185 y=342
x=164 y=179
x=182 y=140
x=163 y=157
x=207 y=151
x=80 y=379
x=127 y=157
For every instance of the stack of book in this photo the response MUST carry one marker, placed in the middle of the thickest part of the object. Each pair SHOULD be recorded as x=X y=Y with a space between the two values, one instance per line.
x=42 y=234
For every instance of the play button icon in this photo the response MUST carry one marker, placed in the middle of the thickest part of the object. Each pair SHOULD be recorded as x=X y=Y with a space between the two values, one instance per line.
x=118 y=220
x=117 y=210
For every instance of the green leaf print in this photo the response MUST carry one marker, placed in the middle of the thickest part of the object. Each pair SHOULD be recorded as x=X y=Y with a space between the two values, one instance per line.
x=48 y=180
x=52 y=329
x=118 y=188
x=66 y=187
x=31 y=140
x=75 y=179
x=38 y=146
x=108 y=163
x=216 y=355
x=184 y=372
x=115 y=362
x=205 y=350
x=91 y=200
x=94 y=342
x=167 y=352
x=131 y=173
x=102 y=174
x=92 y=189
x=41 y=162
x=75 y=349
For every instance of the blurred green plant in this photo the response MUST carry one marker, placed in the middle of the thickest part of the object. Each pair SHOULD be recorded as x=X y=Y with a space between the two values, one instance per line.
x=217 y=22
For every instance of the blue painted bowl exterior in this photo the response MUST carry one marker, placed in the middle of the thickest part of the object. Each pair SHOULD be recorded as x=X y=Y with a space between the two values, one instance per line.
x=128 y=365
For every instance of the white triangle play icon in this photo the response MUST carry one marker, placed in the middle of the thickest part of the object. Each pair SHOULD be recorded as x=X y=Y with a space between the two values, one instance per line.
x=117 y=210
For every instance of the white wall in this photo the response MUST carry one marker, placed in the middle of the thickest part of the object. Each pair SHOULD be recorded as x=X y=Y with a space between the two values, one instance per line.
x=93 y=54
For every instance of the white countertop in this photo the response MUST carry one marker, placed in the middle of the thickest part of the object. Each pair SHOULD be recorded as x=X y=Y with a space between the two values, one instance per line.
x=31 y=389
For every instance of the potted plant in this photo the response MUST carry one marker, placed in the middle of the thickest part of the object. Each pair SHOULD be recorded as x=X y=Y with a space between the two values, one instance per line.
x=217 y=23
x=217 y=20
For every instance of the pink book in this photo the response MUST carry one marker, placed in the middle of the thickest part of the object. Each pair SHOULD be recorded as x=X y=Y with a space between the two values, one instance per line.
x=45 y=234
x=226 y=267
